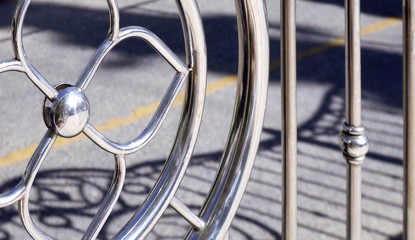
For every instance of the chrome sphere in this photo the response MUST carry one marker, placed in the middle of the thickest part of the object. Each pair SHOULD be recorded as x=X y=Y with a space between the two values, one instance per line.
x=69 y=112
x=354 y=144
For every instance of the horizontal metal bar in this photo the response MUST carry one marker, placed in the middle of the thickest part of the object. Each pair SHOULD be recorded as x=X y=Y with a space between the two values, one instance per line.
x=187 y=214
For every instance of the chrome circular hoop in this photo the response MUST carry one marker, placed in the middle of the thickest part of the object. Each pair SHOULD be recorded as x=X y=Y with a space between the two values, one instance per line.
x=227 y=190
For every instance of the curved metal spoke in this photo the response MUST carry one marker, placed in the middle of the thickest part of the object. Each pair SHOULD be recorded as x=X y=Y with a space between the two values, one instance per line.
x=17 y=27
x=129 y=32
x=160 y=197
x=94 y=63
x=29 y=69
x=13 y=195
x=156 y=43
x=11 y=65
x=28 y=178
x=114 y=19
x=233 y=175
x=148 y=133
x=40 y=82
x=109 y=201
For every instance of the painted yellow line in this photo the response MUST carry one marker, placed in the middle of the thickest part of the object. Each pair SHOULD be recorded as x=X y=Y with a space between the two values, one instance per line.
x=216 y=86
x=138 y=114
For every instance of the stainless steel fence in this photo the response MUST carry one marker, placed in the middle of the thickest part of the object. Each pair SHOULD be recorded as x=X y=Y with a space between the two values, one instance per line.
x=66 y=112
x=65 y=119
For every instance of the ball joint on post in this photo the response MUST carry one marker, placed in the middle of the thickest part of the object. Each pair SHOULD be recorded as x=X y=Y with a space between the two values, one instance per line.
x=354 y=144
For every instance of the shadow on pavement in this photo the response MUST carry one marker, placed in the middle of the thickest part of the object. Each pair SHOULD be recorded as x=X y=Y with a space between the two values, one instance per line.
x=59 y=197
x=384 y=8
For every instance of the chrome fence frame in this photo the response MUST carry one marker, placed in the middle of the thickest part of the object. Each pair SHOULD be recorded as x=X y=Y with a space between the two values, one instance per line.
x=66 y=114
x=219 y=209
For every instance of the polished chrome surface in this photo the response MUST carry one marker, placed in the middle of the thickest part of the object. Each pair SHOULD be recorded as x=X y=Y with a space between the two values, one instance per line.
x=66 y=112
x=238 y=157
x=409 y=118
x=148 y=133
x=352 y=139
x=163 y=192
x=289 y=119
x=354 y=143
x=110 y=199
x=153 y=126
x=20 y=54
x=187 y=214
x=28 y=178
x=69 y=112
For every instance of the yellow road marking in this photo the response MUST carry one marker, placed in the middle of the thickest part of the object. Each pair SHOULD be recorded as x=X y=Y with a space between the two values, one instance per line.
x=111 y=124
x=139 y=113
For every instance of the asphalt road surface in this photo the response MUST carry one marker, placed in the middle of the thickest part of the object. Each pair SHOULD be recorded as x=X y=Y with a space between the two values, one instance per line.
x=61 y=36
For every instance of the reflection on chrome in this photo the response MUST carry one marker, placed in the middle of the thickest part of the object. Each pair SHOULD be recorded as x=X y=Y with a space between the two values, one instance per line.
x=66 y=112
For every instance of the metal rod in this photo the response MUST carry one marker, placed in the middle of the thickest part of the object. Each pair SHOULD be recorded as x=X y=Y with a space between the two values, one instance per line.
x=17 y=39
x=354 y=189
x=151 y=210
x=28 y=178
x=13 y=195
x=187 y=214
x=109 y=201
x=409 y=118
x=151 y=129
x=353 y=115
x=353 y=79
x=242 y=144
x=289 y=119
x=352 y=139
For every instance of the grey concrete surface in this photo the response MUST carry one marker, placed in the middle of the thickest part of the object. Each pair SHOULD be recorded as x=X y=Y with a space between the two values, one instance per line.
x=60 y=37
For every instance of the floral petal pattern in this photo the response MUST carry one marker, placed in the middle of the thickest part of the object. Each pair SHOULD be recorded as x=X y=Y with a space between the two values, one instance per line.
x=66 y=108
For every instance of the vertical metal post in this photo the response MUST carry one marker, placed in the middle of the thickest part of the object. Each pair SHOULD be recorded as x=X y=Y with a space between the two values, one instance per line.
x=289 y=119
x=409 y=118
x=352 y=139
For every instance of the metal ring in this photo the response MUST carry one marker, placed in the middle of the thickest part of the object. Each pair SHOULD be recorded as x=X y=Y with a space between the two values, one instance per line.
x=243 y=140
x=163 y=192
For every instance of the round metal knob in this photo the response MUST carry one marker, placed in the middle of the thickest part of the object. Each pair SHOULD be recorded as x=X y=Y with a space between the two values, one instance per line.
x=69 y=112
x=354 y=143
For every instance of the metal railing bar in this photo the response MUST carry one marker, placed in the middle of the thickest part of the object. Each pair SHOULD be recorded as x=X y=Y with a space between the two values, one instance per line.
x=409 y=119
x=352 y=139
x=289 y=119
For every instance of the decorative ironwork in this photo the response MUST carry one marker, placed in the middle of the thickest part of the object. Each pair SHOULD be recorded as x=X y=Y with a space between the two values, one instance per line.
x=66 y=114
